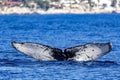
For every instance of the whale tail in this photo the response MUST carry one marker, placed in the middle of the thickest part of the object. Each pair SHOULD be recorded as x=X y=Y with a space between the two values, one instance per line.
x=86 y=52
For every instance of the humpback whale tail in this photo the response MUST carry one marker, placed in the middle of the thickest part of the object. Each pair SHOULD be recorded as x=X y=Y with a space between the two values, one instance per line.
x=86 y=52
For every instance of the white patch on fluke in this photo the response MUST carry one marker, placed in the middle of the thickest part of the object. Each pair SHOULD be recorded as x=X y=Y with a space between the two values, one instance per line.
x=37 y=51
x=91 y=51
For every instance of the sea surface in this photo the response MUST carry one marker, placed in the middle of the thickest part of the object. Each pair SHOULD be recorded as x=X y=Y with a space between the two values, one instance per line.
x=61 y=31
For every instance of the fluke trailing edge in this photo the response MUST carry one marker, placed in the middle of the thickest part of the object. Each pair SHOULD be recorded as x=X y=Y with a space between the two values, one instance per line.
x=86 y=52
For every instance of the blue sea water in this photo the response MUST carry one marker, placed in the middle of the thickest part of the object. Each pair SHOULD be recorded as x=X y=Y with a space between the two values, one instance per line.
x=61 y=31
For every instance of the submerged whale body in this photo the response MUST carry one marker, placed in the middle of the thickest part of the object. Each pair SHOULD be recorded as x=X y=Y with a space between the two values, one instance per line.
x=86 y=52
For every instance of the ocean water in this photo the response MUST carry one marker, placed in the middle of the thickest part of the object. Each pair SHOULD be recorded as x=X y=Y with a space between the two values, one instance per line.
x=61 y=31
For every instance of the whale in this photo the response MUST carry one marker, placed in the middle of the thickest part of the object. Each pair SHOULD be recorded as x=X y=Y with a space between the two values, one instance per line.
x=85 y=52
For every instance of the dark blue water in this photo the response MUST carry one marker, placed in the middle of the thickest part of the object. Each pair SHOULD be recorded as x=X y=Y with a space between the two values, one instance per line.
x=59 y=31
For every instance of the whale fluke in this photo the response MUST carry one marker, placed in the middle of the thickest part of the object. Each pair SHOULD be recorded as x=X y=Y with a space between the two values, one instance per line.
x=39 y=51
x=86 y=52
